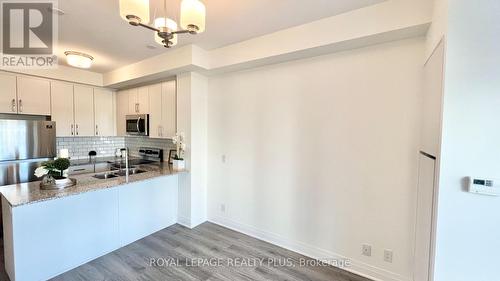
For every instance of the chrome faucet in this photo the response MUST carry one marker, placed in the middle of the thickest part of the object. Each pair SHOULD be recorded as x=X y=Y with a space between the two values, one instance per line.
x=124 y=152
x=126 y=164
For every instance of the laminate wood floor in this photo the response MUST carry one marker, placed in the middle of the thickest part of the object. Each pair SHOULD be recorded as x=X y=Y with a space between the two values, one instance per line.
x=208 y=252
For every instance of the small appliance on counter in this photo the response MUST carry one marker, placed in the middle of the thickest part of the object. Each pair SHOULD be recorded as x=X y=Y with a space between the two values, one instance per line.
x=151 y=154
x=137 y=125
x=25 y=143
x=146 y=155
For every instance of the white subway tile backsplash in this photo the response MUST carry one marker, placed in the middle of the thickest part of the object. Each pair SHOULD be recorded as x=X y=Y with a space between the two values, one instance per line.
x=79 y=147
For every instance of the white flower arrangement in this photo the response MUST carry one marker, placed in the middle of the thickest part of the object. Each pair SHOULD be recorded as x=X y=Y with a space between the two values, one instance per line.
x=41 y=171
x=57 y=168
x=178 y=140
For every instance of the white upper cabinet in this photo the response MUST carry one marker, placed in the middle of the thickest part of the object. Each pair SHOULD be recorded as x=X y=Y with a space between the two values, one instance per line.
x=84 y=111
x=169 y=109
x=143 y=100
x=155 y=111
x=62 y=108
x=73 y=107
x=138 y=99
x=121 y=112
x=132 y=101
x=104 y=112
x=33 y=96
x=8 y=96
x=158 y=100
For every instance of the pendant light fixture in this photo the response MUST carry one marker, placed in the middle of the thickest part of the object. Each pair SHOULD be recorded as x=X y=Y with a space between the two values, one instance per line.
x=193 y=13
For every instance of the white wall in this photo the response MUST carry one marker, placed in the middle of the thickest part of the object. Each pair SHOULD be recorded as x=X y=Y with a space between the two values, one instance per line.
x=438 y=27
x=321 y=154
x=192 y=121
x=468 y=244
x=383 y=22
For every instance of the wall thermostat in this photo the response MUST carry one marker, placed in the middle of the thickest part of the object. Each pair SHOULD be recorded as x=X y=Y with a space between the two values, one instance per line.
x=484 y=186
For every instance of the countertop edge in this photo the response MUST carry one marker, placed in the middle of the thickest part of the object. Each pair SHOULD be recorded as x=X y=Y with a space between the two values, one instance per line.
x=63 y=195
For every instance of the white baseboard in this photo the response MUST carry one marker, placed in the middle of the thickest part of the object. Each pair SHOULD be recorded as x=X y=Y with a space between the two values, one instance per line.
x=357 y=267
x=187 y=222
x=184 y=221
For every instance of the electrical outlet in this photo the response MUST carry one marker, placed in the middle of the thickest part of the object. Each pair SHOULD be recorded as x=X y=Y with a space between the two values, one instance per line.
x=223 y=208
x=388 y=255
x=366 y=250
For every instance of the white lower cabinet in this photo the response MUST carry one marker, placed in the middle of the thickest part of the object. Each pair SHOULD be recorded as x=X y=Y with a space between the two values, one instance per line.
x=104 y=113
x=45 y=239
x=147 y=207
x=84 y=111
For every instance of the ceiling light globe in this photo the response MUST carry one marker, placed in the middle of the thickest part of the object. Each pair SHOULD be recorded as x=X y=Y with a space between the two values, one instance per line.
x=139 y=8
x=79 y=60
x=165 y=22
x=170 y=25
x=193 y=12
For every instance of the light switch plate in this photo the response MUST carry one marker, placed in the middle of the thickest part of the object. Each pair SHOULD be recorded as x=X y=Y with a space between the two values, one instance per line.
x=388 y=255
x=366 y=250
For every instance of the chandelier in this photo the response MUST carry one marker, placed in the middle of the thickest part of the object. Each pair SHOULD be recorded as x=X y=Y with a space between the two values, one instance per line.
x=192 y=20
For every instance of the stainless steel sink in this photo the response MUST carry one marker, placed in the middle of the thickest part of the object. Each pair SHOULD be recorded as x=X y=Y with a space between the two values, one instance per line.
x=132 y=171
x=105 y=176
x=121 y=173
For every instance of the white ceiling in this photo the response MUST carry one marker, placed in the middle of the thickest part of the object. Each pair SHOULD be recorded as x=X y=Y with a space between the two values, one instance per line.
x=95 y=26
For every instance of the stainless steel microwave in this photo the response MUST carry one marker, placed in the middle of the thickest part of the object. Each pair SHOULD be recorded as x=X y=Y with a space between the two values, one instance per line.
x=137 y=125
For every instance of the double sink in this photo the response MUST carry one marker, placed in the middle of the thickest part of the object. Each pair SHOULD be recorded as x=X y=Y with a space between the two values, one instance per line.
x=117 y=172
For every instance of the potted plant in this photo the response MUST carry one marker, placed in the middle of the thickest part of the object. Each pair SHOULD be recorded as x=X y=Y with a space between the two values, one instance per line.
x=178 y=162
x=55 y=174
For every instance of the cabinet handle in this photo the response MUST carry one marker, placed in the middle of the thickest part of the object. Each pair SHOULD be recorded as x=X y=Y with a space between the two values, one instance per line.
x=76 y=129
x=137 y=108
x=20 y=105
x=13 y=105
x=96 y=130
x=159 y=131
x=72 y=129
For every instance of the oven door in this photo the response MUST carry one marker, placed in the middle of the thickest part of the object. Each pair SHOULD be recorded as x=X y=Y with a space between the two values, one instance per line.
x=137 y=125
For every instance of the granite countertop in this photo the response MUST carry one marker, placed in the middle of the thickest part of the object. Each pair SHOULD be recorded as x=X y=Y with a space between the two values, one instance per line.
x=29 y=193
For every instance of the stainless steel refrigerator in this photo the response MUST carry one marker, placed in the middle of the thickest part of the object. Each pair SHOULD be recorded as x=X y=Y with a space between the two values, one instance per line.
x=24 y=145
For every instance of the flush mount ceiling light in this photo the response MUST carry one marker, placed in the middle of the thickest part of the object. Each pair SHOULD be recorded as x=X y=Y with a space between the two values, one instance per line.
x=78 y=59
x=136 y=12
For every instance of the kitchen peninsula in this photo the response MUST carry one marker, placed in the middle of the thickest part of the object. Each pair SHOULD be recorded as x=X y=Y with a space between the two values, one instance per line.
x=47 y=232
